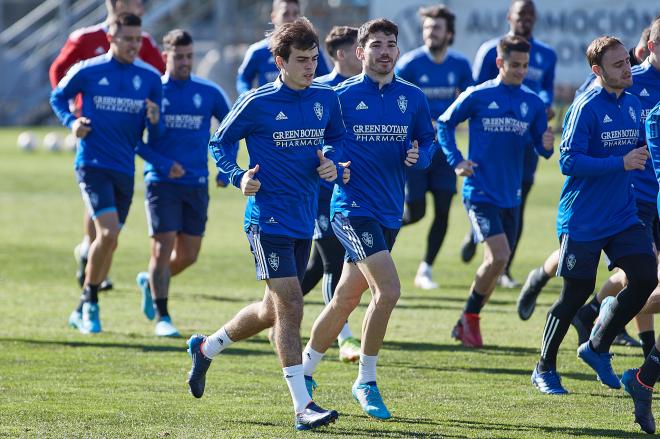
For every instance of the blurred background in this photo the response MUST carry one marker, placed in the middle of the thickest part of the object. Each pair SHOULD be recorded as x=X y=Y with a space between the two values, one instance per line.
x=32 y=33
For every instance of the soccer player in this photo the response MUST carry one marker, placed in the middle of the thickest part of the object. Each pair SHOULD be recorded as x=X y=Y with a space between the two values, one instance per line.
x=177 y=208
x=540 y=78
x=83 y=44
x=259 y=64
x=389 y=128
x=597 y=212
x=288 y=125
x=504 y=117
x=327 y=256
x=121 y=95
x=441 y=74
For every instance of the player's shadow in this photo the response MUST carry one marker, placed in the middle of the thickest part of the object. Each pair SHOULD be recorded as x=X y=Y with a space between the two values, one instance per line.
x=542 y=429
x=454 y=347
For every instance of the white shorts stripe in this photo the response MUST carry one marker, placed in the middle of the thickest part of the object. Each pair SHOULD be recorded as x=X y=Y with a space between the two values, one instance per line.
x=357 y=244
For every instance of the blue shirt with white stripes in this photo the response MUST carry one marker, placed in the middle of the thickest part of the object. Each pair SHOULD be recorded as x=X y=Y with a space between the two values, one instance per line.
x=652 y=134
x=259 y=65
x=597 y=199
x=114 y=99
x=646 y=86
x=381 y=122
x=503 y=120
x=283 y=129
x=186 y=111
x=440 y=82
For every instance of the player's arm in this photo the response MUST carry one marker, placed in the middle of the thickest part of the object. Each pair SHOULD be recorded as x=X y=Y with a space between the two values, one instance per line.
x=66 y=89
x=247 y=72
x=547 y=91
x=220 y=110
x=652 y=134
x=484 y=67
x=335 y=133
x=573 y=157
x=68 y=56
x=542 y=136
x=424 y=135
x=459 y=111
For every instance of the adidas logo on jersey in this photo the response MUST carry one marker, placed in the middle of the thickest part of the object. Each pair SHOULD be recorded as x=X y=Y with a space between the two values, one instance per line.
x=281 y=116
x=607 y=119
x=361 y=106
x=354 y=204
x=493 y=106
x=104 y=81
x=644 y=92
x=423 y=79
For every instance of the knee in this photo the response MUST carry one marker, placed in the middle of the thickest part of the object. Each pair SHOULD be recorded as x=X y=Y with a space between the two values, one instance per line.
x=109 y=236
x=499 y=259
x=387 y=297
x=187 y=259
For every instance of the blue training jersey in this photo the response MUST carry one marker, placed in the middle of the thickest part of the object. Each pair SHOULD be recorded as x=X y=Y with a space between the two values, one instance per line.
x=381 y=125
x=283 y=129
x=597 y=199
x=652 y=134
x=259 y=65
x=646 y=86
x=441 y=83
x=113 y=98
x=186 y=112
x=503 y=121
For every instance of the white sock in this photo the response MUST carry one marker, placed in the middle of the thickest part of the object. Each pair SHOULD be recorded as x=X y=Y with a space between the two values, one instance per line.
x=216 y=343
x=424 y=268
x=84 y=247
x=367 y=371
x=311 y=359
x=293 y=375
x=345 y=333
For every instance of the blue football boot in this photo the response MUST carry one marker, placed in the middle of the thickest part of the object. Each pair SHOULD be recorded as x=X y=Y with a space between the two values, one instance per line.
x=601 y=363
x=368 y=396
x=142 y=281
x=200 y=364
x=314 y=416
x=548 y=382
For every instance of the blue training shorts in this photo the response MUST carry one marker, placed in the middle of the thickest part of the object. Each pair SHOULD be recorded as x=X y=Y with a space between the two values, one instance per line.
x=489 y=220
x=105 y=191
x=278 y=256
x=176 y=208
x=362 y=236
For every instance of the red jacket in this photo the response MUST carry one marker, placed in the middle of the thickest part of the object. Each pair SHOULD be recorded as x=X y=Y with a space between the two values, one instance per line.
x=92 y=41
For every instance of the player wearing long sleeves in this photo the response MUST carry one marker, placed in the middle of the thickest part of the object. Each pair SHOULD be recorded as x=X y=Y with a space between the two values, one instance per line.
x=540 y=79
x=121 y=96
x=597 y=212
x=441 y=74
x=389 y=128
x=83 y=44
x=259 y=66
x=288 y=126
x=177 y=207
x=504 y=116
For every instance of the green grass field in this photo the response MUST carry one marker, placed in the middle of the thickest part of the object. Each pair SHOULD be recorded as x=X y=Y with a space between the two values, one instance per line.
x=56 y=382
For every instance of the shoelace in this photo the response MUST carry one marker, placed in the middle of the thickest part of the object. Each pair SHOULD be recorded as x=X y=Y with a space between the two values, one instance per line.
x=552 y=379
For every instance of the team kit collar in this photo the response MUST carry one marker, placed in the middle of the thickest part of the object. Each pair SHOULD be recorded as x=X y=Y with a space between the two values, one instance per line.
x=370 y=82
x=279 y=84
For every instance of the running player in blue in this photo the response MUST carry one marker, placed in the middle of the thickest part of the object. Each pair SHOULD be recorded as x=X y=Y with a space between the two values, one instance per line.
x=597 y=212
x=293 y=128
x=327 y=256
x=505 y=116
x=259 y=66
x=121 y=96
x=540 y=78
x=441 y=74
x=177 y=208
x=390 y=129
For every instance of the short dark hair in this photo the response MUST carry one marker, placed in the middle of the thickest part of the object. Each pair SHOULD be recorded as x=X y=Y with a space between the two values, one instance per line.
x=530 y=2
x=378 y=25
x=512 y=43
x=121 y=20
x=176 y=37
x=440 y=11
x=299 y=34
x=340 y=36
x=598 y=47
x=654 y=31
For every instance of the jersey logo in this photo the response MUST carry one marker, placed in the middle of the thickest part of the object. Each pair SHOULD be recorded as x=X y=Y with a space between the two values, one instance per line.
x=423 y=79
x=402 y=102
x=607 y=119
x=99 y=50
x=361 y=106
x=523 y=109
x=354 y=204
x=281 y=116
x=274 y=261
x=318 y=110
x=197 y=100
x=493 y=106
x=368 y=239
x=451 y=78
x=104 y=81
x=137 y=82
x=644 y=92
x=271 y=220
x=632 y=114
x=571 y=260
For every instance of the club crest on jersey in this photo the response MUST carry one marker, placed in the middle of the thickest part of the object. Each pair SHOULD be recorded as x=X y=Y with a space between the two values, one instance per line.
x=402 y=102
x=197 y=100
x=274 y=261
x=318 y=110
x=368 y=239
x=571 y=260
x=524 y=109
x=137 y=82
x=451 y=78
x=633 y=116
